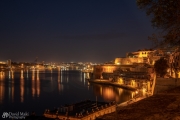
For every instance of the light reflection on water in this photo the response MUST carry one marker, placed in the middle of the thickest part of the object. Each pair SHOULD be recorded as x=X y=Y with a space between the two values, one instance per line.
x=27 y=90
x=22 y=86
x=2 y=76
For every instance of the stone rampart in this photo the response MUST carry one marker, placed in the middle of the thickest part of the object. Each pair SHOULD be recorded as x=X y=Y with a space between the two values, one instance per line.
x=163 y=84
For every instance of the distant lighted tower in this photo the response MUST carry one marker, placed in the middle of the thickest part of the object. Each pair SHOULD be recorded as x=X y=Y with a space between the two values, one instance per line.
x=9 y=63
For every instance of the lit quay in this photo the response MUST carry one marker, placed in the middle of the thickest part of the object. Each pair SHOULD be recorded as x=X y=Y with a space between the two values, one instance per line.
x=85 y=110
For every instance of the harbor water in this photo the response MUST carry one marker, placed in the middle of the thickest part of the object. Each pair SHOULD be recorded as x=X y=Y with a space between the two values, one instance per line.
x=28 y=91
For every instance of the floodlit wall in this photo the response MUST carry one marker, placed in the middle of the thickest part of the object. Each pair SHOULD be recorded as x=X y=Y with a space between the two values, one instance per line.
x=128 y=61
x=163 y=84
x=99 y=69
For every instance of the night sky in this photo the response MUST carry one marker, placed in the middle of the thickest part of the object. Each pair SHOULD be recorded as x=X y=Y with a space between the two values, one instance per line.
x=71 y=30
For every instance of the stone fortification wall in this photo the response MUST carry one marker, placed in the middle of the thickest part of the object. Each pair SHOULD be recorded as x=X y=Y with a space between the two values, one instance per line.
x=128 y=61
x=163 y=84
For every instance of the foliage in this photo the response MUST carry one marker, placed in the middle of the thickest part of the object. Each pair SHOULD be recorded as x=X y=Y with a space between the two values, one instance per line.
x=174 y=61
x=161 y=67
x=165 y=16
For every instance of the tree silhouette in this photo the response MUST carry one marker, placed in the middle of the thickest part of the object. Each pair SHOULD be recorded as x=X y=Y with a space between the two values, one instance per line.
x=161 y=67
x=165 y=16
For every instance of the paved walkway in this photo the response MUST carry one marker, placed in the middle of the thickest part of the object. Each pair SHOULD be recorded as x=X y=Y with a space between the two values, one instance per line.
x=162 y=106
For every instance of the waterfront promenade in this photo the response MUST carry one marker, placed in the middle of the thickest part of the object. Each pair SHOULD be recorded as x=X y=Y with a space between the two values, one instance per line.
x=84 y=110
x=162 y=106
x=107 y=82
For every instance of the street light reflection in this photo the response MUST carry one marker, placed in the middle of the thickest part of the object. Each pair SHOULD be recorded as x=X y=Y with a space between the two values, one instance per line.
x=22 y=86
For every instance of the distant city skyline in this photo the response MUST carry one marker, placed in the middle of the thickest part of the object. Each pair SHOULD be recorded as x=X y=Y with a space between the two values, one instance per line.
x=71 y=31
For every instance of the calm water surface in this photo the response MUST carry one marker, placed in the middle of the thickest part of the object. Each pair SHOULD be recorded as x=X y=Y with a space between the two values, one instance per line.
x=27 y=91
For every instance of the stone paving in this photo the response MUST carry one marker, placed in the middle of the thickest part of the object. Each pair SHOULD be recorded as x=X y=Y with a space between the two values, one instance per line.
x=162 y=106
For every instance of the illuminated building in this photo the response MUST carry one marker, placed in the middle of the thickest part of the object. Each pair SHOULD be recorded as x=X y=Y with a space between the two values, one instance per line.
x=141 y=56
x=3 y=65
x=132 y=62
x=174 y=63
x=128 y=61
x=9 y=63
x=135 y=70
x=98 y=70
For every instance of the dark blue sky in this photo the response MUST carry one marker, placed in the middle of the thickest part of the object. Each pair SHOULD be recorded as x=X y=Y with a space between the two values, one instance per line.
x=71 y=30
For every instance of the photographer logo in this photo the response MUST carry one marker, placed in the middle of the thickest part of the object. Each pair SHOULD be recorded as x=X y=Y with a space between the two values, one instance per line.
x=15 y=115
x=5 y=115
